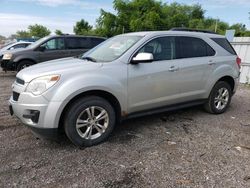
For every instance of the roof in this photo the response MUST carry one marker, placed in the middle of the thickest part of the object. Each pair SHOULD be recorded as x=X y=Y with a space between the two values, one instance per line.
x=186 y=33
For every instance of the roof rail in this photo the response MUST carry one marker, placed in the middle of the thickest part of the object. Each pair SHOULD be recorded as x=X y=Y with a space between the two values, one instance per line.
x=191 y=30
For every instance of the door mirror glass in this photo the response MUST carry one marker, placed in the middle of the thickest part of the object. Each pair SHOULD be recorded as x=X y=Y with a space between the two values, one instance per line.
x=143 y=58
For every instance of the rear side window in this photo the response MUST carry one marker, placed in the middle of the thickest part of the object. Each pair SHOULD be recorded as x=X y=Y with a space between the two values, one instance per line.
x=96 y=41
x=188 y=47
x=78 y=43
x=223 y=42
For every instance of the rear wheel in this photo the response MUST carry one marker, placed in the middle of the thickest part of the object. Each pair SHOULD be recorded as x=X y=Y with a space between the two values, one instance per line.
x=219 y=99
x=89 y=121
x=23 y=64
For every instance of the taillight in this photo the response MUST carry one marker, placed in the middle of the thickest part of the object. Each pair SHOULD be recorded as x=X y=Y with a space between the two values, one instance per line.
x=238 y=61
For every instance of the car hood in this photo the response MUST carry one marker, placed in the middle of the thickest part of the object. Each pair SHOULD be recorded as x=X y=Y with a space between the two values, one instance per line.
x=60 y=66
x=16 y=51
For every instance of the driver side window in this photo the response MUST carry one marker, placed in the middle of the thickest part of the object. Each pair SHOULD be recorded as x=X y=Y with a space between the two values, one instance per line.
x=54 y=44
x=162 y=48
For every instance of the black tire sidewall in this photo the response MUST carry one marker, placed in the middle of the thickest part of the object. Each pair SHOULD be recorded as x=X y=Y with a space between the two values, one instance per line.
x=75 y=109
x=22 y=63
x=218 y=86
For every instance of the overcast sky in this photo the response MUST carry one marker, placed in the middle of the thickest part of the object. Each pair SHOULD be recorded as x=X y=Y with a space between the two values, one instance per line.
x=62 y=14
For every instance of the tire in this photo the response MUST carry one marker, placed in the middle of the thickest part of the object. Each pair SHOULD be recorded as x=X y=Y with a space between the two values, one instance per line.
x=219 y=98
x=23 y=64
x=82 y=127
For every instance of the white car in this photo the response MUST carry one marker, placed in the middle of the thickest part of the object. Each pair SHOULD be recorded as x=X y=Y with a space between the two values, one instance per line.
x=14 y=45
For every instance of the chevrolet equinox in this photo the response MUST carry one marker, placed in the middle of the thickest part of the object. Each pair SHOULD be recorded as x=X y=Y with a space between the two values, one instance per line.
x=126 y=76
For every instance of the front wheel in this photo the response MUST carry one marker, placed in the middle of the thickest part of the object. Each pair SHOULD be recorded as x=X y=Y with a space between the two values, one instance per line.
x=23 y=64
x=89 y=121
x=219 y=98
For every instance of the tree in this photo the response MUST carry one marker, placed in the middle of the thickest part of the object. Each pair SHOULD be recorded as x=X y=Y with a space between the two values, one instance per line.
x=240 y=29
x=38 y=31
x=58 y=32
x=143 y=15
x=82 y=27
x=23 y=34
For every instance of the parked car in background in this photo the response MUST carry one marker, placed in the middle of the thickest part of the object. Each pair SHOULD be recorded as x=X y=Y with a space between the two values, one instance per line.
x=12 y=46
x=48 y=48
x=127 y=76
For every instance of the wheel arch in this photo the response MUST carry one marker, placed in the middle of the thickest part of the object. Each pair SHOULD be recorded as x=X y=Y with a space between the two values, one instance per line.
x=24 y=59
x=99 y=93
x=229 y=80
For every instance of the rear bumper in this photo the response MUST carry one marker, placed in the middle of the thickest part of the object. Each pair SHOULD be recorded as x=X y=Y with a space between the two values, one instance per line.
x=236 y=84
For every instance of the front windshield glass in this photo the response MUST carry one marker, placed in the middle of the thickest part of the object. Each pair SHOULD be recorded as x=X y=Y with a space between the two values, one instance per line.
x=112 y=48
x=38 y=42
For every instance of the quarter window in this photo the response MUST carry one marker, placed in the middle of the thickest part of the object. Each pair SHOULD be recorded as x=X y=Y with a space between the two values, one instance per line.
x=223 y=42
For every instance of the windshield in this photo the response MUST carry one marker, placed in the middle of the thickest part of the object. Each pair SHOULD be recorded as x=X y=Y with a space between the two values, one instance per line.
x=38 y=42
x=112 y=48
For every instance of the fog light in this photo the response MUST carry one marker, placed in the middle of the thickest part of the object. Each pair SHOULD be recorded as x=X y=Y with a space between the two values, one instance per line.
x=33 y=115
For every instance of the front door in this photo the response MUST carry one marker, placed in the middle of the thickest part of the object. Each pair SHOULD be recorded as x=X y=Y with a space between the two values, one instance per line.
x=53 y=49
x=150 y=85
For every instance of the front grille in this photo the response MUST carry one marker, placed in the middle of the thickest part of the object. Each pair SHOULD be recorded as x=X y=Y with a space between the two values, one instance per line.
x=15 y=96
x=20 y=81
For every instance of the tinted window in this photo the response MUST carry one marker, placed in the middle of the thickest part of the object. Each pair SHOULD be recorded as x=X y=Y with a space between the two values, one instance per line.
x=223 y=42
x=162 y=48
x=78 y=43
x=188 y=47
x=18 y=46
x=54 y=44
x=96 y=41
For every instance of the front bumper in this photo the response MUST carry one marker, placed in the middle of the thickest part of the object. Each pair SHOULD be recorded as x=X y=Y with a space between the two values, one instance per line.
x=7 y=65
x=36 y=112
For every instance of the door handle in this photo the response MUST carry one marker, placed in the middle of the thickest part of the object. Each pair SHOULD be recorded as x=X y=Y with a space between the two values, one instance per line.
x=173 y=69
x=211 y=62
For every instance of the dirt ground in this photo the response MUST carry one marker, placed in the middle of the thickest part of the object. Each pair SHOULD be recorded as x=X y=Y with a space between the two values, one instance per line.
x=186 y=148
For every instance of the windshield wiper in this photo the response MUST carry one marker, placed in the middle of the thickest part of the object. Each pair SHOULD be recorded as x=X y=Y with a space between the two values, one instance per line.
x=89 y=59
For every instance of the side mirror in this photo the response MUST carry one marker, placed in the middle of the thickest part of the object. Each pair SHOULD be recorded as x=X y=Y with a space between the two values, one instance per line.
x=12 y=48
x=41 y=48
x=142 y=58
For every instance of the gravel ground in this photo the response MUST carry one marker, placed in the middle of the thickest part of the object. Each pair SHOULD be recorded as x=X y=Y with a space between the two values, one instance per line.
x=187 y=148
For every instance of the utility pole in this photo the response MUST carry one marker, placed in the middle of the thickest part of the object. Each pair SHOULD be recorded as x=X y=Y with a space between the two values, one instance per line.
x=216 y=25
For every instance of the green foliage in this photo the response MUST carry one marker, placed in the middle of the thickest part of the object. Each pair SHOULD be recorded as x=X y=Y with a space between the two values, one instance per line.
x=240 y=29
x=82 y=27
x=58 y=32
x=38 y=31
x=143 y=15
x=22 y=34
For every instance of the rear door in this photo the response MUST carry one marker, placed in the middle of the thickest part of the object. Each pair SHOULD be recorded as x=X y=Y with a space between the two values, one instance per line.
x=53 y=49
x=194 y=63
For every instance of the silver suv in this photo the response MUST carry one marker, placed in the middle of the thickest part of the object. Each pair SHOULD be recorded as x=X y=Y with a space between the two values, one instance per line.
x=128 y=75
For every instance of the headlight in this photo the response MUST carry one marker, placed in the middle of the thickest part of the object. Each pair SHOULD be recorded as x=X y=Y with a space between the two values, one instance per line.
x=7 y=56
x=41 y=84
